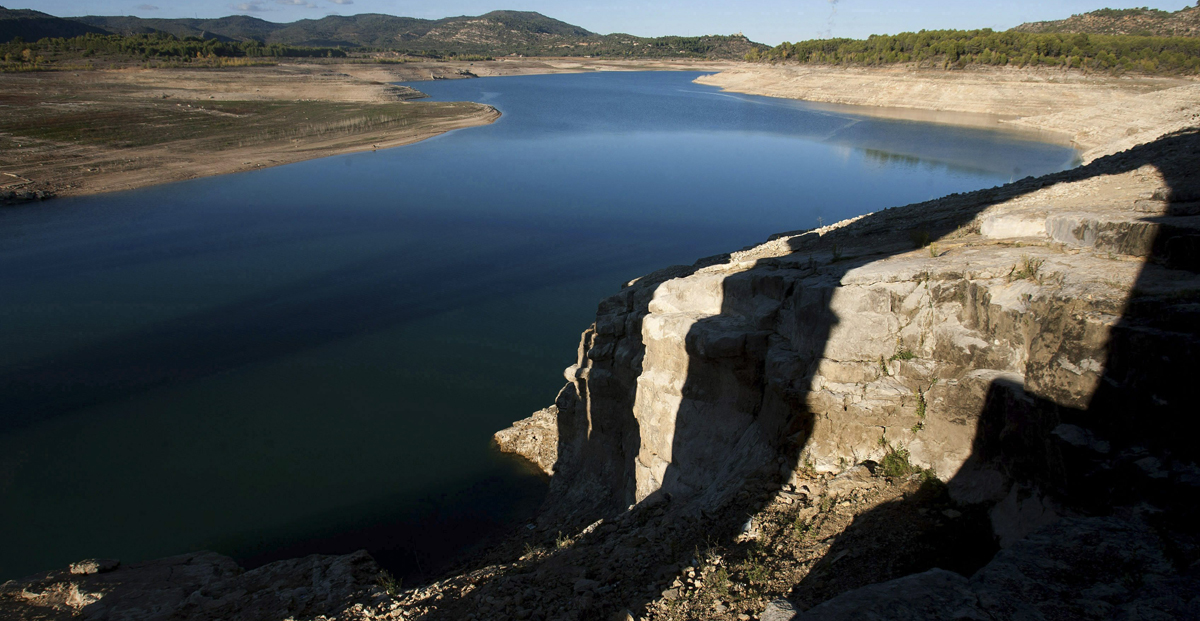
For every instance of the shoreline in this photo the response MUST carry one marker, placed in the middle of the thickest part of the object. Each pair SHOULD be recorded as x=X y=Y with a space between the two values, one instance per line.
x=1047 y=106
x=36 y=168
x=76 y=134
x=1063 y=106
x=169 y=168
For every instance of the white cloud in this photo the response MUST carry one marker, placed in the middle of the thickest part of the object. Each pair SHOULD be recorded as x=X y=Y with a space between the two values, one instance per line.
x=304 y=3
x=253 y=6
x=342 y=1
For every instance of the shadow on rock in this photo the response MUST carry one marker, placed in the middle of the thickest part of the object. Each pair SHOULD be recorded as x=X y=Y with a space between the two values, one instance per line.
x=706 y=397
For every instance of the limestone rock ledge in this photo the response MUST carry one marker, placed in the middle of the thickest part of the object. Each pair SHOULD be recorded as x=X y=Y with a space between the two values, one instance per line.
x=846 y=344
x=534 y=438
x=1031 y=346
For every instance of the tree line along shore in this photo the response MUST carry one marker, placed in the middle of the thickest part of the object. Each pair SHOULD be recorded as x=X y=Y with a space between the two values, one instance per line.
x=958 y=49
x=939 y=49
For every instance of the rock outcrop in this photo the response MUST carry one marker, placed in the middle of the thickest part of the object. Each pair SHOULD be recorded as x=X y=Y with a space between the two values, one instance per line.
x=1080 y=568
x=1029 y=346
x=534 y=438
x=846 y=343
x=204 y=585
x=1140 y=22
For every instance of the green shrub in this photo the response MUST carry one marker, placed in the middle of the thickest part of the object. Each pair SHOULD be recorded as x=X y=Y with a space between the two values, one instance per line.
x=962 y=48
x=389 y=583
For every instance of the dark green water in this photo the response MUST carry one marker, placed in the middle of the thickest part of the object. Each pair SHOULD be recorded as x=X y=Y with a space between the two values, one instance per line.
x=313 y=358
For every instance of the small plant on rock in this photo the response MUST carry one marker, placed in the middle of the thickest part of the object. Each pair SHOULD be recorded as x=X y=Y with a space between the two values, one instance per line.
x=1027 y=269
x=757 y=571
x=896 y=465
x=720 y=583
x=801 y=527
x=389 y=583
x=921 y=405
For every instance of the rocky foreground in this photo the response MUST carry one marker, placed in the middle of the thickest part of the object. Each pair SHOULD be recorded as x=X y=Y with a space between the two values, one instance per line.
x=977 y=407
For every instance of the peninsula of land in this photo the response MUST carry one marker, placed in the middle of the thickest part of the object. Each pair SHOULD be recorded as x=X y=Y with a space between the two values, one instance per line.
x=67 y=133
x=75 y=133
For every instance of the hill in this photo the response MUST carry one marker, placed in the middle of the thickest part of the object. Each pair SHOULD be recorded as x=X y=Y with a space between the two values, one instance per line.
x=33 y=25
x=369 y=29
x=1144 y=22
x=498 y=33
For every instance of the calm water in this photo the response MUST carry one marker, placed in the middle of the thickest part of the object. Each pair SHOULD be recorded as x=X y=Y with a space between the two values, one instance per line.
x=312 y=358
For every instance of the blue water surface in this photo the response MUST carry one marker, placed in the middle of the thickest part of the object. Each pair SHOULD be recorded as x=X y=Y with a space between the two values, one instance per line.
x=313 y=357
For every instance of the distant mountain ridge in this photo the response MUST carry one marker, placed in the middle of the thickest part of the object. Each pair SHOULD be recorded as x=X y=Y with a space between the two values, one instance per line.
x=33 y=25
x=368 y=29
x=1146 y=22
x=497 y=33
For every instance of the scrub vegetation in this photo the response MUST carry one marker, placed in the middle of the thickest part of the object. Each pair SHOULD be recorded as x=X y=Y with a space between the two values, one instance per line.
x=958 y=49
x=79 y=52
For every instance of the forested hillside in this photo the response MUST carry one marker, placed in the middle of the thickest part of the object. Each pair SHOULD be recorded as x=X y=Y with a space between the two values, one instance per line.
x=33 y=25
x=499 y=33
x=962 y=48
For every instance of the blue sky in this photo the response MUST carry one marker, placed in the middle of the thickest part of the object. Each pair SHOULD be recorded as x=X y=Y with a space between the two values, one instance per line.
x=766 y=21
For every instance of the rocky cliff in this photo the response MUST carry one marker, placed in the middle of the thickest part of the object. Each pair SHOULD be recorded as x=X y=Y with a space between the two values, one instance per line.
x=892 y=330
x=1029 y=347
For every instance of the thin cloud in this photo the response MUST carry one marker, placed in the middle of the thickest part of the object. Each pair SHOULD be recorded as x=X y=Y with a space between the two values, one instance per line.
x=342 y=1
x=146 y=7
x=304 y=3
x=253 y=6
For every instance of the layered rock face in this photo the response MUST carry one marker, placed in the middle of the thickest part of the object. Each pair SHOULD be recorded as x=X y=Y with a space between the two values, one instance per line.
x=1037 y=321
x=1031 y=346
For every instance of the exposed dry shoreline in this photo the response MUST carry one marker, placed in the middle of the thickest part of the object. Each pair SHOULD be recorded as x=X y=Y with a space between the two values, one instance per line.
x=1090 y=111
x=70 y=134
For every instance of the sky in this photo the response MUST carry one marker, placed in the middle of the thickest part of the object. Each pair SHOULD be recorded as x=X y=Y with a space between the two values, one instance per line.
x=764 y=21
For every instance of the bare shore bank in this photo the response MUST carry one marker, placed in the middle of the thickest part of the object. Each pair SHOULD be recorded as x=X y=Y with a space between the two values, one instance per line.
x=70 y=134
x=1096 y=113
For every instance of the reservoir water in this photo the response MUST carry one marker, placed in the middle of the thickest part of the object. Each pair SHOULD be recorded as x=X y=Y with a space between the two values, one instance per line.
x=313 y=358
